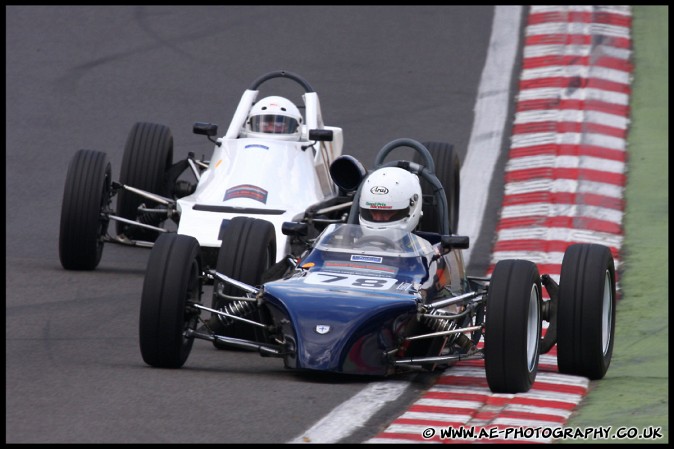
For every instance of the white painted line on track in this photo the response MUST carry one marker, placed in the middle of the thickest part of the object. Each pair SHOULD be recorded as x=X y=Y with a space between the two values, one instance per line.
x=353 y=414
x=491 y=111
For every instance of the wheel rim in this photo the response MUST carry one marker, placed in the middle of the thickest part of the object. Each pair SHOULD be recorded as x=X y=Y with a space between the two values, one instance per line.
x=607 y=313
x=532 y=328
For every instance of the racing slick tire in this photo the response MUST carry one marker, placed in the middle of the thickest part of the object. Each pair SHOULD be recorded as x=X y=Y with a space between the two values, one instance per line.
x=513 y=326
x=448 y=169
x=172 y=282
x=86 y=198
x=148 y=155
x=248 y=249
x=587 y=309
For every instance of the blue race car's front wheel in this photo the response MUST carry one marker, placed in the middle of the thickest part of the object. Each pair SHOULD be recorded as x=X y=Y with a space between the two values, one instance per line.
x=513 y=326
x=586 y=314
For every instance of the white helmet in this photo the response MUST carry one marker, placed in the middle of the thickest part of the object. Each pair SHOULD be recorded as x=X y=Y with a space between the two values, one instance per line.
x=390 y=199
x=274 y=117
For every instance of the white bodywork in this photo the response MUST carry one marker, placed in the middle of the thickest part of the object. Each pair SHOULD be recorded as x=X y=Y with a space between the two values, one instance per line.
x=265 y=178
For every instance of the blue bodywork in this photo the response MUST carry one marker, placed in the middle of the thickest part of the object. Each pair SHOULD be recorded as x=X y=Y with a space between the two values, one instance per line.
x=345 y=308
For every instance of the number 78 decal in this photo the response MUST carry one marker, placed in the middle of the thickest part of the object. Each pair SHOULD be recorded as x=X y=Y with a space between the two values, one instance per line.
x=349 y=280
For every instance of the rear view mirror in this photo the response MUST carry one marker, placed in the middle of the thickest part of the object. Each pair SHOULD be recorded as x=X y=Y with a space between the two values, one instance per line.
x=205 y=129
x=321 y=135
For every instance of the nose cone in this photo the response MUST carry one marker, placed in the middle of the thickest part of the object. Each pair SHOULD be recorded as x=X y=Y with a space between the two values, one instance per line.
x=338 y=330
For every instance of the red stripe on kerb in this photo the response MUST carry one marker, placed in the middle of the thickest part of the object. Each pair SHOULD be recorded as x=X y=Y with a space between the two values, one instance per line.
x=581 y=174
x=569 y=60
x=440 y=409
x=547 y=367
x=584 y=223
x=586 y=199
x=544 y=104
x=548 y=246
x=410 y=436
x=575 y=82
x=569 y=150
x=456 y=396
x=580 y=17
x=559 y=388
x=553 y=269
x=577 y=39
x=547 y=403
x=463 y=381
x=531 y=416
x=428 y=422
x=568 y=127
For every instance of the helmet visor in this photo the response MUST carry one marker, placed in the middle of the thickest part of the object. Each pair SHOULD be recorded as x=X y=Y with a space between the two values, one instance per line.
x=273 y=124
x=383 y=215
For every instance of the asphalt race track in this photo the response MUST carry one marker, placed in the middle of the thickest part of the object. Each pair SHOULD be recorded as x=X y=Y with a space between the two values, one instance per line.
x=80 y=77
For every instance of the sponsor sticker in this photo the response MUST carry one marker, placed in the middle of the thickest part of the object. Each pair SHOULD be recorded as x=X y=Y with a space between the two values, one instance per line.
x=360 y=258
x=377 y=205
x=322 y=329
x=356 y=267
x=246 y=191
x=379 y=190
x=257 y=145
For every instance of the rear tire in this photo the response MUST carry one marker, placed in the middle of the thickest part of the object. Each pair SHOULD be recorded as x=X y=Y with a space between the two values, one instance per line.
x=587 y=308
x=172 y=282
x=513 y=326
x=148 y=155
x=85 y=199
x=248 y=249
x=447 y=170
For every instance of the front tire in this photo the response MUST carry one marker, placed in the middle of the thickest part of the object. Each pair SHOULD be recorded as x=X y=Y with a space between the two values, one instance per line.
x=513 y=326
x=172 y=282
x=587 y=308
x=248 y=249
x=86 y=198
x=148 y=155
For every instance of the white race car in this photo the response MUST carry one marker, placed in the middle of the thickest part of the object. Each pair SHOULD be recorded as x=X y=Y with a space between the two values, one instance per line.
x=272 y=163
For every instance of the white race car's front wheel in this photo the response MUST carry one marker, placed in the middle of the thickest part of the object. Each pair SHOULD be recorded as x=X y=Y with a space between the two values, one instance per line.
x=83 y=221
x=248 y=249
x=148 y=155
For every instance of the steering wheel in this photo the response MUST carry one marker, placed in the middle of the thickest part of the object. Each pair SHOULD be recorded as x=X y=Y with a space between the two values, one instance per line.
x=377 y=240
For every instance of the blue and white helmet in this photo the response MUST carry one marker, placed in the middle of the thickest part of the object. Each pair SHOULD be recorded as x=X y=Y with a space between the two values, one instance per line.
x=390 y=199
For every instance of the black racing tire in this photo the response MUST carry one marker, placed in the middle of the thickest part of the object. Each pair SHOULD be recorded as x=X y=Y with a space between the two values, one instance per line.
x=448 y=171
x=513 y=326
x=248 y=249
x=86 y=199
x=172 y=282
x=148 y=155
x=587 y=310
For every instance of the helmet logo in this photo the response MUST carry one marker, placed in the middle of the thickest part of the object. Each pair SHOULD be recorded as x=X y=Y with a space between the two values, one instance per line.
x=379 y=190
x=322 y=329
